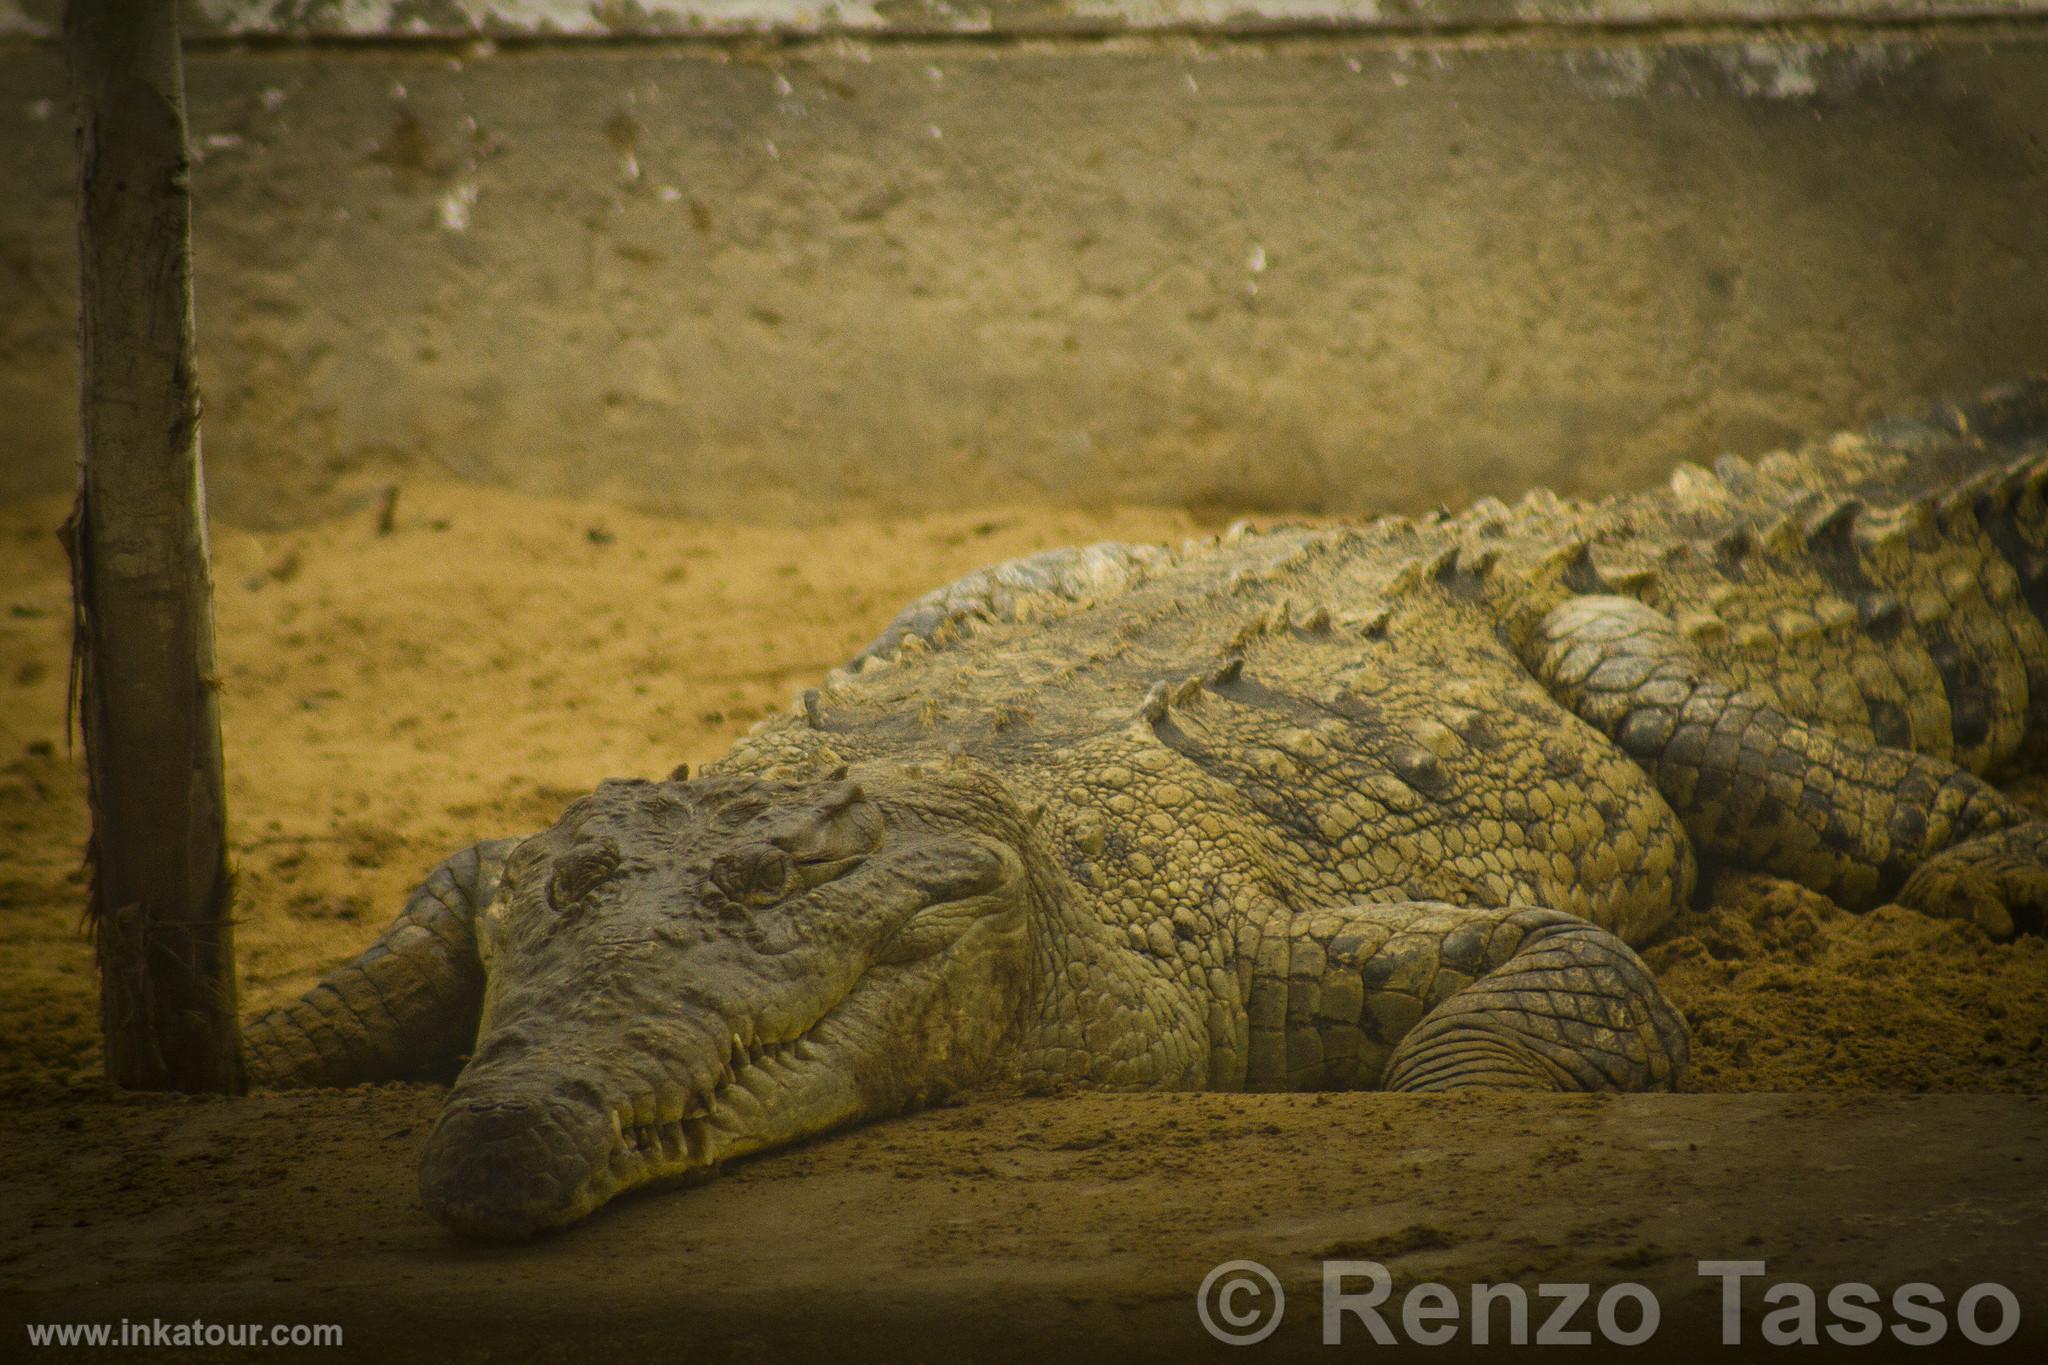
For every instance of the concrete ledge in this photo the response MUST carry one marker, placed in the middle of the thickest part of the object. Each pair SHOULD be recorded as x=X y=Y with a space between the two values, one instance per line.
x=1074 y=1229
x=401 y=20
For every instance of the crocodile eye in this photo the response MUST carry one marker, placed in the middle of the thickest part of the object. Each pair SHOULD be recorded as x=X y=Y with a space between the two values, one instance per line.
x=757 y=876
x=579 y=872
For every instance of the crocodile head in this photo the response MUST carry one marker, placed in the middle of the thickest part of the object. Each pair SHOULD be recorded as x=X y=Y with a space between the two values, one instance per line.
x=683 y=972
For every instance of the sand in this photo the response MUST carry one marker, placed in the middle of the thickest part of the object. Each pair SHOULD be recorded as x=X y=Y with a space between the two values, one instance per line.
x=390 y=697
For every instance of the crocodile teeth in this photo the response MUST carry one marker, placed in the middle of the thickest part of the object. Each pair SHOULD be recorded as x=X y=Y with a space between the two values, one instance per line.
x=743 y=1103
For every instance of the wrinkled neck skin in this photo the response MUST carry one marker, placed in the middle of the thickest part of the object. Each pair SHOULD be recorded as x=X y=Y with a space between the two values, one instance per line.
x=681 y=973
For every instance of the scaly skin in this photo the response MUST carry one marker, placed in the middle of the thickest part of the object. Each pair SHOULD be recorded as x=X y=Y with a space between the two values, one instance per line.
x=1304 y=808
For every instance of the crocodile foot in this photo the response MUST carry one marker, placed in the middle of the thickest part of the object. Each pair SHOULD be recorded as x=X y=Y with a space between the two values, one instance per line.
x=1998 y=881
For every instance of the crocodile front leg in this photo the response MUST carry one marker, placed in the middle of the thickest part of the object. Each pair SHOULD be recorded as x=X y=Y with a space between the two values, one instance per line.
x=1426 y=996
x=1763 y=789
x=406 y=1008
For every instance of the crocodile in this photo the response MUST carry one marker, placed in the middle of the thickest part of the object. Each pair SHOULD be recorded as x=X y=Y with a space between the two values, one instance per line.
x=1383 y=805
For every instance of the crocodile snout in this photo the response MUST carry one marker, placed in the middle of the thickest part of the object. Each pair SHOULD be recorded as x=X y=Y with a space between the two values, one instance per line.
x=508 y=1166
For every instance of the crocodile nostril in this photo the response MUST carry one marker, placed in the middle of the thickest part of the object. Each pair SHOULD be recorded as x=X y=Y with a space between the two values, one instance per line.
x=501 y=1110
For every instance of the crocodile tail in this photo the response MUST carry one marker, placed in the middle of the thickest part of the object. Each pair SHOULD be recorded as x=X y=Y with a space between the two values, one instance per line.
x=1956 y=441
x=1890 y=462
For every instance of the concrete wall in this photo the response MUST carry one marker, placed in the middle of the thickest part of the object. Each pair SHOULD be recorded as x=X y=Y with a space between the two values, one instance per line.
x=1344 y=271
x=410 y=19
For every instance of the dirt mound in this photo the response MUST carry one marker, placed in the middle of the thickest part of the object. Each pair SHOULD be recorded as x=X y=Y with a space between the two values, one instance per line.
x=1785 y=990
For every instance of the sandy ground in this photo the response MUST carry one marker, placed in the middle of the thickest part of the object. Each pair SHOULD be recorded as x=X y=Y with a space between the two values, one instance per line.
x=389 y=698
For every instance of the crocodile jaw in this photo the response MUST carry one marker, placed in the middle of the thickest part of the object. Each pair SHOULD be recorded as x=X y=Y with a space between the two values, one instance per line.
x=498 y=1166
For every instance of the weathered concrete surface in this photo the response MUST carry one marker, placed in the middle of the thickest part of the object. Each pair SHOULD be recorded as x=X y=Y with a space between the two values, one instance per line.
x=404 y=19
x=1075 y=1228
x=1335 y=273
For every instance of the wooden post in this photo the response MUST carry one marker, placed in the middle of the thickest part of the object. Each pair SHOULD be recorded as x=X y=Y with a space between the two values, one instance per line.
x=142 y=660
